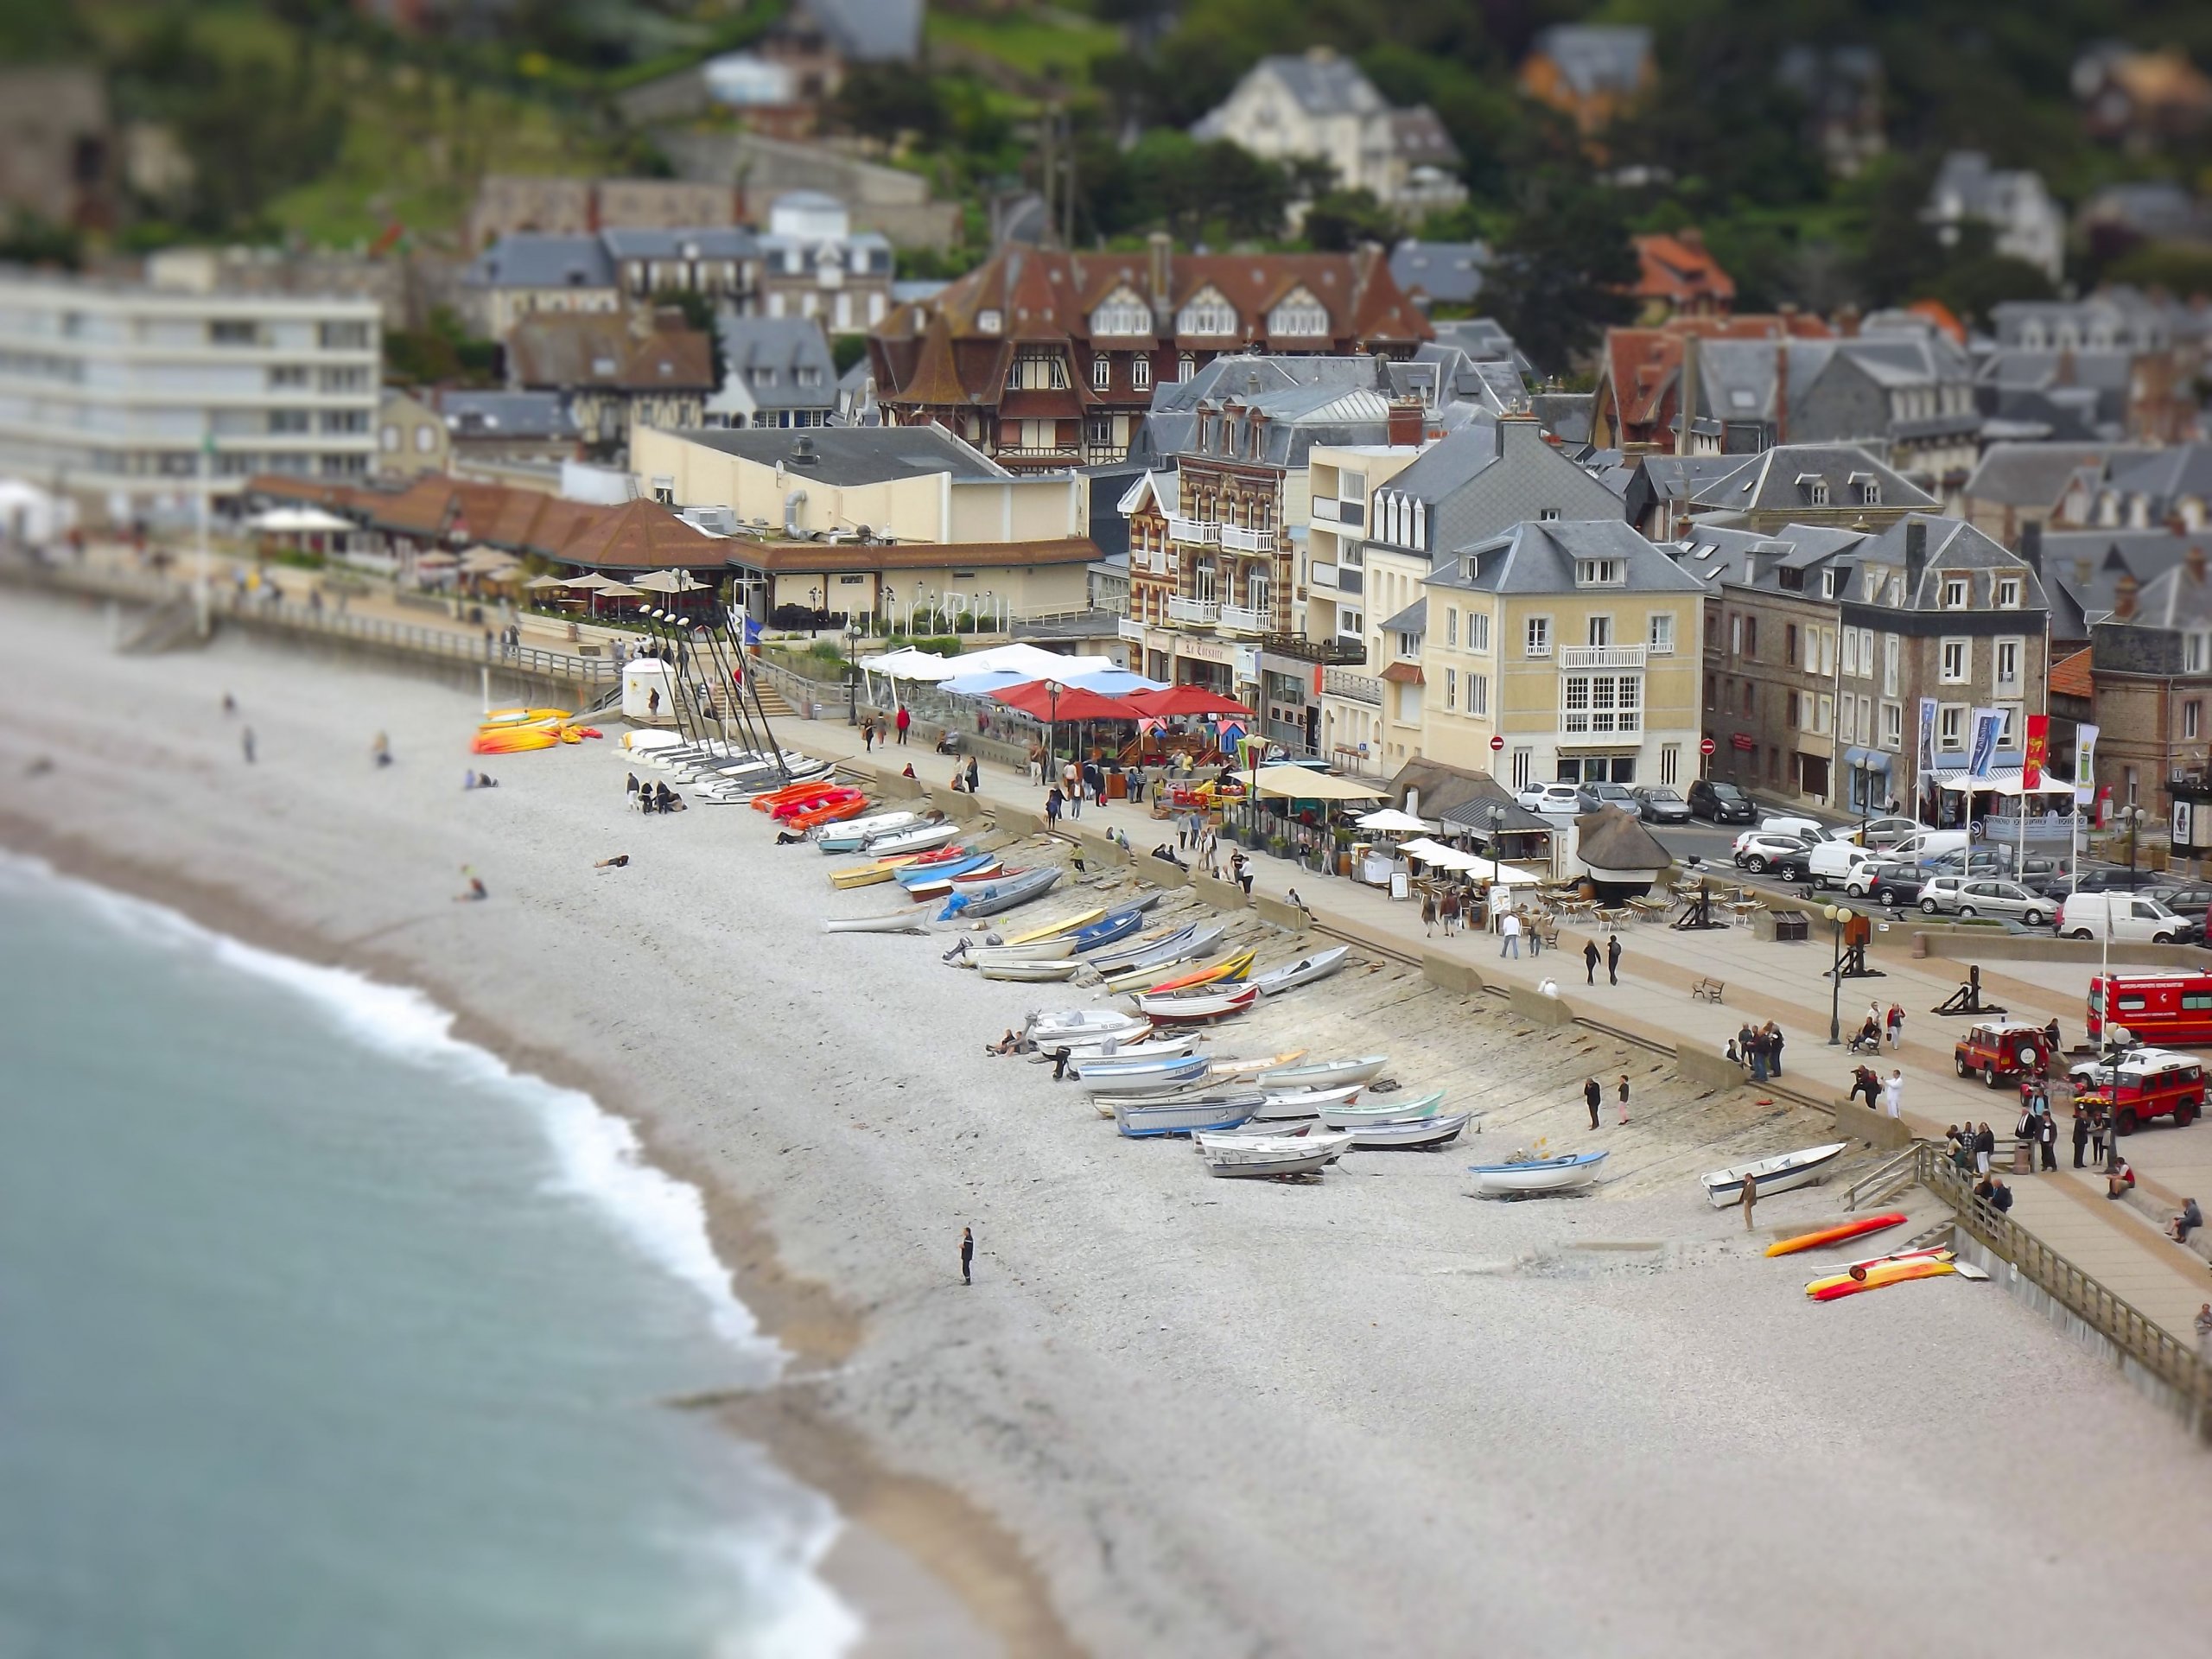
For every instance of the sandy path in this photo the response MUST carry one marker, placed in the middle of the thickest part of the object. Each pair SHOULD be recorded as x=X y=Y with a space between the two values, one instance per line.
x=1370 y=1417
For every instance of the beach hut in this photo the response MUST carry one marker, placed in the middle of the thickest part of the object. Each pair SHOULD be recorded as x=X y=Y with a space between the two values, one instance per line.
x=1621 y=857
x=642 y=677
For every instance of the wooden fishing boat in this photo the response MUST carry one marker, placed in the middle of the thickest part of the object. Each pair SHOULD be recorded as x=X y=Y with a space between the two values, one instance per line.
x=1197 y=1008
x=1896 y=1272
x=1836 y=1235
x=1307 y=970
x=1325 y=1074
x=1066 y=924
x=904 y=921
x=1809 y=1167
x=1031 y=973
x=1419 y=1134
x=1003 y=894
x=1177 y=1074
x=1401 y=1111
x=1139 y=1121
x=1270 y=1158
x=1537 y=1175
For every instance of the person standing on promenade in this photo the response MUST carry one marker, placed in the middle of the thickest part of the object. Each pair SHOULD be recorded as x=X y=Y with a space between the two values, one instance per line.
x=1508 y=929
x=900 y=721
x=2097 y=1134
x=967 y=1256
x=1624 y=1100
x=1893 y=1092
x=1592 y=1093
x=974 y=775
x=1985 y=1147
x=1773 y=1049
x=1755 y=1051
x=1749 y=1198
x=1613 y=959
x=1534 y=924
x=1590 y=962
x=2081 y=1134
x=2047 y=1137
x=1052 y=807
x=1896 y=1025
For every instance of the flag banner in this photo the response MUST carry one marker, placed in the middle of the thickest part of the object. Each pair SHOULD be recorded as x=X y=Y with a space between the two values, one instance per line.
x=2085 y=762
x=2037 y=755
x=1927 y=735
x=1981 y=748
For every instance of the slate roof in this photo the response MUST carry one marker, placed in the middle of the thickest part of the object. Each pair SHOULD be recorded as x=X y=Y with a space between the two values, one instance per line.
x=1413 y=620
x=531 y=259
x=1323 y=84
x=1476 y=482
x=781 y=347
x=1448 y=272
x=2037 y=474
x=1774 y=481
x=855 y=455
x=2182 y=598
x=572 y=349
x=1593 y=57
x=1952 y=545
x=869 y=31
x=716 y=242
x=2163 y=476
x=1539 y=558
x=503 y=414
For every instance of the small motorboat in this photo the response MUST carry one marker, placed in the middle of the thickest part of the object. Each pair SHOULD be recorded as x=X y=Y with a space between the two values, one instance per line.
x=1147 y=1041
x=1293 y=1105
x=1303 y=971
x=1197 y=1008
x=1029 y=973
x=1269 y=1157
x=1417 y=1134
x=1003 y=893
x=1325 y=1074
x=1083 y=1024
x=1725 y=1187
x=1400 y=1111
x=1140 y=1120
x=921 y=839
x=1537 y=1174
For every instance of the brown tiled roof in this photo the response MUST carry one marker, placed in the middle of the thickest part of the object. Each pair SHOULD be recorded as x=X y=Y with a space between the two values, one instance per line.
x=560 y=522
x=1405 y=674
x=316 y=492
x=643 y=536
x=1679 y=268
x=668 y=360
x=2070 y=677
x=568 y=348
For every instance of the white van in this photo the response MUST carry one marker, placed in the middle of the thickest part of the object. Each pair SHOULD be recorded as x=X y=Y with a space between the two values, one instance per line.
x=2134 y=917
x=1831 y=863
x=1930 y=844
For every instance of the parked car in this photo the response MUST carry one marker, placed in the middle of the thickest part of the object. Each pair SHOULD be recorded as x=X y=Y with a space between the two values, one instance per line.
x=1930 y=844
x=1722 y=803
x=2108 y=879
x=1593 y=796
x=1759 y=851
x=1551 y=798
x=1776 y=823
x=2134 y=917
x=2192 y=902
x=1998 y=1051
x=1972 y=861
x=2144 y=1082
x=1895 y=885
x=1656 y=803
x=1832 y=863
x=1962 y=895
x=1885 y=832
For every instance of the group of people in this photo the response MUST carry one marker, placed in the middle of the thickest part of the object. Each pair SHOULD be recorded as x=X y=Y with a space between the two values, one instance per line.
x=1443 y=908
x=1758 y=1050
x=1883 y=1095
x=1875 y=1026
x=1594 y=1095
x=652 y=798
x=969 y=778
x=873 y=732
x=1513 y=923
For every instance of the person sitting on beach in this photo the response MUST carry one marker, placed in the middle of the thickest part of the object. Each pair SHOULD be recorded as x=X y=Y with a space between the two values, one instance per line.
x=474 y=779
x=1007 y=1044
x=907 y=770
x=476 y=890
x=619 y=862
x=790 y=838
x=2187 y=1222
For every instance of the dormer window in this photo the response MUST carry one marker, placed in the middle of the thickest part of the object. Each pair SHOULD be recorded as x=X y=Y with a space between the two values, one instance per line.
x=1121 y=313
x=1816 y=492
x=1870 y=493
x=1101 y=372
x=1299 y=314
x=2008 y=594
x=989 y=322
x=1870 y=586
x=1207 y=312
x=1141 y=373
x=1957 y=593
x=1831 y=583
x=1600 y=572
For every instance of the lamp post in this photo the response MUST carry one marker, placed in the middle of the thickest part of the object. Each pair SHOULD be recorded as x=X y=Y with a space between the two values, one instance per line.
x=852 y=672
x=1841 y=916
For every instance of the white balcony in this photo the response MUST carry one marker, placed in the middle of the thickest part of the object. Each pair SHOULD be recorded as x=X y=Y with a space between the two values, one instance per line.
x=1601 y=730
x=1351 y=685
x=1128 y=628
x=1193 y=613
x=1238 y=539
x=1321 y=575
x=1242 y=619
x=1193 y=530
x=1581 y=658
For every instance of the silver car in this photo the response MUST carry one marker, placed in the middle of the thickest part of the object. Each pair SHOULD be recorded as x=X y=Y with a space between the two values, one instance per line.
x=1657 y=803
x=1974 y=896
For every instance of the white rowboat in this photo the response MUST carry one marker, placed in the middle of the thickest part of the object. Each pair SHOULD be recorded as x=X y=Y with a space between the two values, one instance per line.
x=1540 y=1175
x=1261 y=1158
x=1325 y=1074
x=1421 y=1134
x=1029 y=973
x=1403 y=1111
x=1303 y=971
x=1724 y=1188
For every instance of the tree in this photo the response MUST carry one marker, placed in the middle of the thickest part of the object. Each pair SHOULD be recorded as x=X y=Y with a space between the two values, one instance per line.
x=1340 y=220
x=1563 y=267
x=886 y=101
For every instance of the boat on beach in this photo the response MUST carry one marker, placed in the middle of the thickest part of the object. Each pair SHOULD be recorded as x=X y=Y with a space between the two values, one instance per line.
x=903 y=921
x=1304 y=971
x=1184 y=944
x=1415 y=1135
x=1294 y=1105
x=921 y=839
x=1083 y=1025
x=1266 y=1157
x=1066 y=926
x=1325 y=1074
x=968 y=955
x=1147 y=1041
x=1409 y=1110
x=1170 y=1072
x=1113 y=926
x=1029 y=973
x=1808 y=1167
x=1140 y=1121
x=927 y=886
x=1001 y=893
x=1197 y=1007
x=1537 y=1174
x=1227 y=970
x=847 y=836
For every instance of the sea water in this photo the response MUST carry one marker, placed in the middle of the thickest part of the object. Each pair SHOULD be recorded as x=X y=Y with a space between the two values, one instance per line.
x=323 y=1332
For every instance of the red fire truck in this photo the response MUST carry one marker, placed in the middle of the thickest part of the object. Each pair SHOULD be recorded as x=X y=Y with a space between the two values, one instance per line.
x=2174 y=1008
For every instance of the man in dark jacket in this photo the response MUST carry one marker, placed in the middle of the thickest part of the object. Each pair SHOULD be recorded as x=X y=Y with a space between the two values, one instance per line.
x=1590 y=962
x=1591 y=1096
x=1613 y=959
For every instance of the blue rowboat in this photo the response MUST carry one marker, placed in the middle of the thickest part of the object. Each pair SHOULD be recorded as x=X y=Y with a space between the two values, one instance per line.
x=1118 y=924
x=922 y=875
x=1544 y=1175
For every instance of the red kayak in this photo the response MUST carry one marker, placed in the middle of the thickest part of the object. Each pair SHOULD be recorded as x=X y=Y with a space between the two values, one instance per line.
x=1836 y=1235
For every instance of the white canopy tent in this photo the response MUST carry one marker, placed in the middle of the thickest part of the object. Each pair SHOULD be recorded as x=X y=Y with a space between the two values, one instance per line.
x=1391 y=822
x=1300 y=784
x=910 y=663
x=297 y=521
x=2008 y=783
x=1483 y=869
x=669 y=581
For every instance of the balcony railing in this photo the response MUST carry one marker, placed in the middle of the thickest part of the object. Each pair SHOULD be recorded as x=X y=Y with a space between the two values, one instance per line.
x=1354 y=688
x=1193 y=531
x=1325 y=510
x=1036 y=452
x=1128 y=627
x=1242 y=619
x=1321 y=575
x=1193 y=613
x=1622 y=724
x=1588 y=656
x=1298 y=647
x=1238 y=539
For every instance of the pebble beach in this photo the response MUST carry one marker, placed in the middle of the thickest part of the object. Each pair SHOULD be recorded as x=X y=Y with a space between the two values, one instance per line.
x=1174 y=1415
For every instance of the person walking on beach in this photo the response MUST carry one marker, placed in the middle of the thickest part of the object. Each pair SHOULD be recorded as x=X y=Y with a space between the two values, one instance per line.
x=1624 y=1100
x=245 y=744
x=1893 y=1092
x=967 y=1256
x=1592 y=1095
x=1590 y=962
x=1749 y=1198
x=1508 y=929
x=1613 y=959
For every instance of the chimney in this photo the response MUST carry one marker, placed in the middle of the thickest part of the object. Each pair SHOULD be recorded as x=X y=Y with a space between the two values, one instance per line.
x=1916 y=554
x=1407 y=419
x=2123 y=598
x=1846 y=320
x=2031 y=545
x=1159 y=247
x=1685 y=440
x=1782 y=385
x=1517 y=433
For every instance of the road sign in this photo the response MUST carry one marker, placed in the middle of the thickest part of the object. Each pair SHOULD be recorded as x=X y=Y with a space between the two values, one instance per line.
x=1706 y=746
x=1495 y=743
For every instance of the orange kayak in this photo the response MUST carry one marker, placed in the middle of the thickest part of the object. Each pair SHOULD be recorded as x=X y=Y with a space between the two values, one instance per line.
x=1228 y=971
x=830 y=814
x=790 y=810
x=1836 y=1235
x=809 y=790
x=1894 y=1273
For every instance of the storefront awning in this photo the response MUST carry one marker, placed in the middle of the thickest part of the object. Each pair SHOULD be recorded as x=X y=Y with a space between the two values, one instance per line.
x=2005 y=782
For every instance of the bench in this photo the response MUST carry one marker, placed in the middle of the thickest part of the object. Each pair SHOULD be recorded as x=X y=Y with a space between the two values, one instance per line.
x=1708 y=990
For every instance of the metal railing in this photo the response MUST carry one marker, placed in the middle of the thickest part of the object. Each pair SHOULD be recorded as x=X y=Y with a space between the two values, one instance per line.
x=1356 y=688
x=2138 y=1337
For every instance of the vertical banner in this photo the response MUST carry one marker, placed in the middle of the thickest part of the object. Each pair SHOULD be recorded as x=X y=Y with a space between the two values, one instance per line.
x=2037 y=754
x=2085 y=763
x=1927 y=735
x=1981 y=748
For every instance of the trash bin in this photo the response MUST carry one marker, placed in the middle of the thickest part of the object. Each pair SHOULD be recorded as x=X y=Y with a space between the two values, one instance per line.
x=2023 y=1158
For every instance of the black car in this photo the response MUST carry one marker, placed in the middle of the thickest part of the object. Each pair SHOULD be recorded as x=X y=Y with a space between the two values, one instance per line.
x=1899 y=888
x=2119 y=880
x=1723 y=803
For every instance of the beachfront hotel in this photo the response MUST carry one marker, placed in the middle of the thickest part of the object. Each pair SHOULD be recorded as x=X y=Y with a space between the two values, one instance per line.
x=128 y=395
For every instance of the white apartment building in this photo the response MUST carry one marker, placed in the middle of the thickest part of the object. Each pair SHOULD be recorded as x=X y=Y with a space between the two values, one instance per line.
x=122 y=393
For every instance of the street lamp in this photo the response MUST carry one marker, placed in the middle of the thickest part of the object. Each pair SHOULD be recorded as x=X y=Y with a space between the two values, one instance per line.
x=1842 y=916
x=852 y=672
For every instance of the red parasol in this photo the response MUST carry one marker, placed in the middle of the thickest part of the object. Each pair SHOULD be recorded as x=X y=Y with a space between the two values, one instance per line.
x=1047 y=700
x=1183 y=700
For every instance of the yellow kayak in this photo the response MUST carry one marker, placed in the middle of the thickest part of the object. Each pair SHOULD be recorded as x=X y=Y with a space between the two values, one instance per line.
x=1890 y=1272
x=524 y=716
x=1227 y=972
x=867 y=875
x=1872 y=1267
x=1053 y=929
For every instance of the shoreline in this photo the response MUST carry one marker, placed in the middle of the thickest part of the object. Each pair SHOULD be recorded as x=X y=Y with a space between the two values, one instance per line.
x=913 y=1527
x=1171 y=1404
